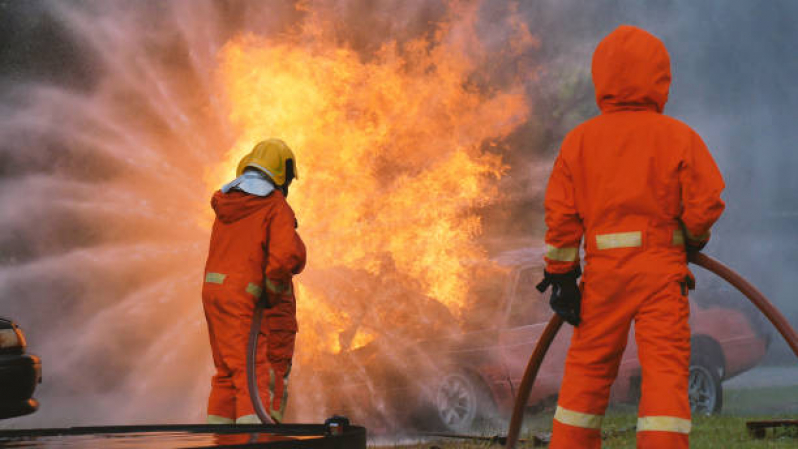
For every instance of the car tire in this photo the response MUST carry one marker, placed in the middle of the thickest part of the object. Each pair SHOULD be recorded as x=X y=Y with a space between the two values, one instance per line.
x=704 y=385
x=461 y=403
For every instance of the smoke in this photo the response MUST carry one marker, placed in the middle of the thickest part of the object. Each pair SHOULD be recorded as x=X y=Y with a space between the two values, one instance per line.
x=733 y=82
x=102 y=167
x=105 y=151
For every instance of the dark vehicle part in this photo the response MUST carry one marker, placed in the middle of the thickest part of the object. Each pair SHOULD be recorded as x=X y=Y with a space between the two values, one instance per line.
x=704 y=387
x=311 y=436
x=336 y=425
x=757 y=429
x=252 y=356
x=704 y=390
x=700 y=259
x=460 y=401
x=19 y=373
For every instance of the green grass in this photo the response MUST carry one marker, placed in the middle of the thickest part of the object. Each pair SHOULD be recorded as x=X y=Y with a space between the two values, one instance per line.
x=768 y=400
x=709 y=432
x=722 y=431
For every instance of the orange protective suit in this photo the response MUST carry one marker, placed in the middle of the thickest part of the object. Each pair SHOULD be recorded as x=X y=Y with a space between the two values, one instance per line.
x=628 y=180
x=254 y=246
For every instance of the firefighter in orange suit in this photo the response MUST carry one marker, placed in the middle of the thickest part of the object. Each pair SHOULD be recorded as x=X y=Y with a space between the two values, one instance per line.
x=254 y=250
x=642 y=189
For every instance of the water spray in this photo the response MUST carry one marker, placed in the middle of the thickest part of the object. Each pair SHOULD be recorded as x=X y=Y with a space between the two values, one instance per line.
x=702 y=260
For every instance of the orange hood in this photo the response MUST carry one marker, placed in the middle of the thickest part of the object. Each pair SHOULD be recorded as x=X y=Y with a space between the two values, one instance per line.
x=235 y=205
x=631 y=70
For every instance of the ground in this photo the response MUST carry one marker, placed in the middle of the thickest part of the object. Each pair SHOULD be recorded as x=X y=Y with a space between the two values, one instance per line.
x=761 y=394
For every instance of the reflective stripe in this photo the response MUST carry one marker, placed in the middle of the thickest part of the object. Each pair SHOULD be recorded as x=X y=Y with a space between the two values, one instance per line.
x=254 y=290
x=279 y=288
x=578 y=419
x=277 y=414
x=248 y=419
x=663 y=424
x=561 y=254
x=619 y=240
x=696 y=238
x=215 y=278
x=215 y=419
x=678 y=237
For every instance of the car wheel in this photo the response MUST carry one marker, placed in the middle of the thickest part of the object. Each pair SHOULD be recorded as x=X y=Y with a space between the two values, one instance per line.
x=704 y=390
x=460 y=402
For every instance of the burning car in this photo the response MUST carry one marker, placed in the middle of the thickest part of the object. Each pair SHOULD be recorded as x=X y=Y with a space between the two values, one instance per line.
x=469 y=373
x=19 y=372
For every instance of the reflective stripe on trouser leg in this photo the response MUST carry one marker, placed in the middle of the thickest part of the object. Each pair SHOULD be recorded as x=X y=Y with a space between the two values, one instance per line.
x=221 y=400
x=213 y=419
x=583 y=430
x=592 y=362
x=578 y=419
x=663 y=431
x=663 y=424
x=248 y=419
x=662 y=333
x=277 y=409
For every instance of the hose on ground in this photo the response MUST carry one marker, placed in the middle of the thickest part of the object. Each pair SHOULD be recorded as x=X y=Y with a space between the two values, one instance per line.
x=252 y=355
x=555 y=323
x=702 y=260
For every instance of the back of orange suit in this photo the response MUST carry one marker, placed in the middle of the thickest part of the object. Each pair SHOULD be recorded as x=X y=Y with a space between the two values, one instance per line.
x=254 y=246
x=635 y=185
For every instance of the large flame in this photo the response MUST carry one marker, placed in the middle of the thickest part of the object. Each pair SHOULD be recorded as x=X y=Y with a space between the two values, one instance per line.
x=391 y=153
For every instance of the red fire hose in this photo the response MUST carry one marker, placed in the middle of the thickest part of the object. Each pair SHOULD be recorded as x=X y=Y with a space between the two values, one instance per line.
x=252 y=355
x=702 y=260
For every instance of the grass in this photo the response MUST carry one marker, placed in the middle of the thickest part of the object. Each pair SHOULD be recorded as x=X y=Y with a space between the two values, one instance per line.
x=709 y=432
x=723 y=431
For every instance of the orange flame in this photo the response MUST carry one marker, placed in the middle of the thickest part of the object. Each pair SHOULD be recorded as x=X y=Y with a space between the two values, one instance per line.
x=390 y=155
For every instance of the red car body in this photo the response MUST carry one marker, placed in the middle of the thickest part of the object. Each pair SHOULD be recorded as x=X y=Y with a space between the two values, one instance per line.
x=478 y=368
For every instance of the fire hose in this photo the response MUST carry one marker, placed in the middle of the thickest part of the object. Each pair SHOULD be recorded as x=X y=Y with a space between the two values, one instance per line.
x=702 y=260
x=252 y=355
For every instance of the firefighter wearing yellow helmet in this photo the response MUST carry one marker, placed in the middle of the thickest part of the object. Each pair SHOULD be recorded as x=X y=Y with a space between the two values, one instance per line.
x=254 y=252
x=273 y=158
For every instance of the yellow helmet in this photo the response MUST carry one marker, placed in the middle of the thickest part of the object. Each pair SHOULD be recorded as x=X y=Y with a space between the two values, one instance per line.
x=274 y=158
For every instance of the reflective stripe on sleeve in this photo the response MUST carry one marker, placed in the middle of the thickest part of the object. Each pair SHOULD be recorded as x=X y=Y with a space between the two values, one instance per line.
x=678 y=237
x=663 y=424
x=279 y=288
x=578 y=419
x=254 y=290
x=619 y=240
x=697 y=238
x=215 y=278
x=561 y=254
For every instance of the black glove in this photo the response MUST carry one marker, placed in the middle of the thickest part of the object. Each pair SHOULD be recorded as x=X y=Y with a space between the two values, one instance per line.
x=693 y=248
x=566 y=299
